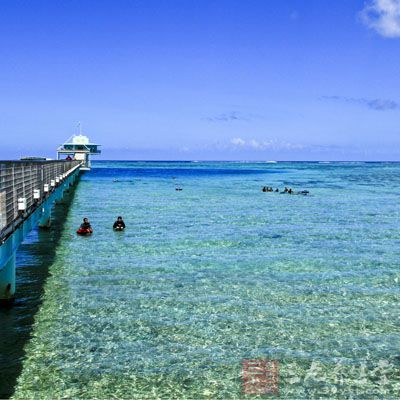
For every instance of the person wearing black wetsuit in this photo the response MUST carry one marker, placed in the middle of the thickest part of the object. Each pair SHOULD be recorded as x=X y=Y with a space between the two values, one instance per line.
x=119 y=224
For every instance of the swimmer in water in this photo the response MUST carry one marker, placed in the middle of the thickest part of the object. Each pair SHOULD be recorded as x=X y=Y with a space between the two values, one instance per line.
x=119 y=224
x=85 y=227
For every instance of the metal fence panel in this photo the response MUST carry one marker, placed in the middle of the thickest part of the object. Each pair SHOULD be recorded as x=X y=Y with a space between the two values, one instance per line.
x=19 y=179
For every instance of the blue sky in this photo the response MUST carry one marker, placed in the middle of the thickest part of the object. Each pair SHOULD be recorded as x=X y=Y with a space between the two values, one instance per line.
x=222 y=79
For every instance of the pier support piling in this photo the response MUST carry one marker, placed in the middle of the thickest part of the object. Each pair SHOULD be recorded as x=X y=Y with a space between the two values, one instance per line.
x=7 y=281
x=45 y=219
x=59 y=199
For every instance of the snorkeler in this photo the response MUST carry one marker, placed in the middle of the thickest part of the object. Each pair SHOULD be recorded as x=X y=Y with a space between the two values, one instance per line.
x=119 y=224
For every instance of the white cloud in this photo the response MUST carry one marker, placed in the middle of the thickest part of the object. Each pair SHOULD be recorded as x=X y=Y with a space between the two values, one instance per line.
x=256 y=145
x=271 y=144
x=238 y=141
x=383 y=16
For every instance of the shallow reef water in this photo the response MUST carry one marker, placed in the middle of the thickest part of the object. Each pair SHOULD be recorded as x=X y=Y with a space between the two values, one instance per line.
x=220 y=272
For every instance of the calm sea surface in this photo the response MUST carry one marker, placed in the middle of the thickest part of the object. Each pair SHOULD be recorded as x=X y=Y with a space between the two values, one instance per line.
x=209 y=276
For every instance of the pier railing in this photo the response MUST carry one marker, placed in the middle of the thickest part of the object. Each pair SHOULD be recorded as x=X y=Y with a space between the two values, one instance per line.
x=23 y=184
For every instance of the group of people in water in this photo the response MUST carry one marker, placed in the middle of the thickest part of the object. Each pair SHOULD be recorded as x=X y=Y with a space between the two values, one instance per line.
x=286 y=190
x=86 y=227
x=119 y=225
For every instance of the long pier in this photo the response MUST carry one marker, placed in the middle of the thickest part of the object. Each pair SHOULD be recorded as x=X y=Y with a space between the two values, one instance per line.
x=28 y=191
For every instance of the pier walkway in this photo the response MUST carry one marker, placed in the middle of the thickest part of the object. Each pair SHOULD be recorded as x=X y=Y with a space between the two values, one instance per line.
x=28 y=191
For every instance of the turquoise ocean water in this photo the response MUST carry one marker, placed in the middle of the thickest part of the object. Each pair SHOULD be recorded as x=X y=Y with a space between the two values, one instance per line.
x=220 y=272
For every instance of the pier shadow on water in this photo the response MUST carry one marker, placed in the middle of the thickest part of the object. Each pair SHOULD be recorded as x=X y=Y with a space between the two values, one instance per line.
x=34 y=257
